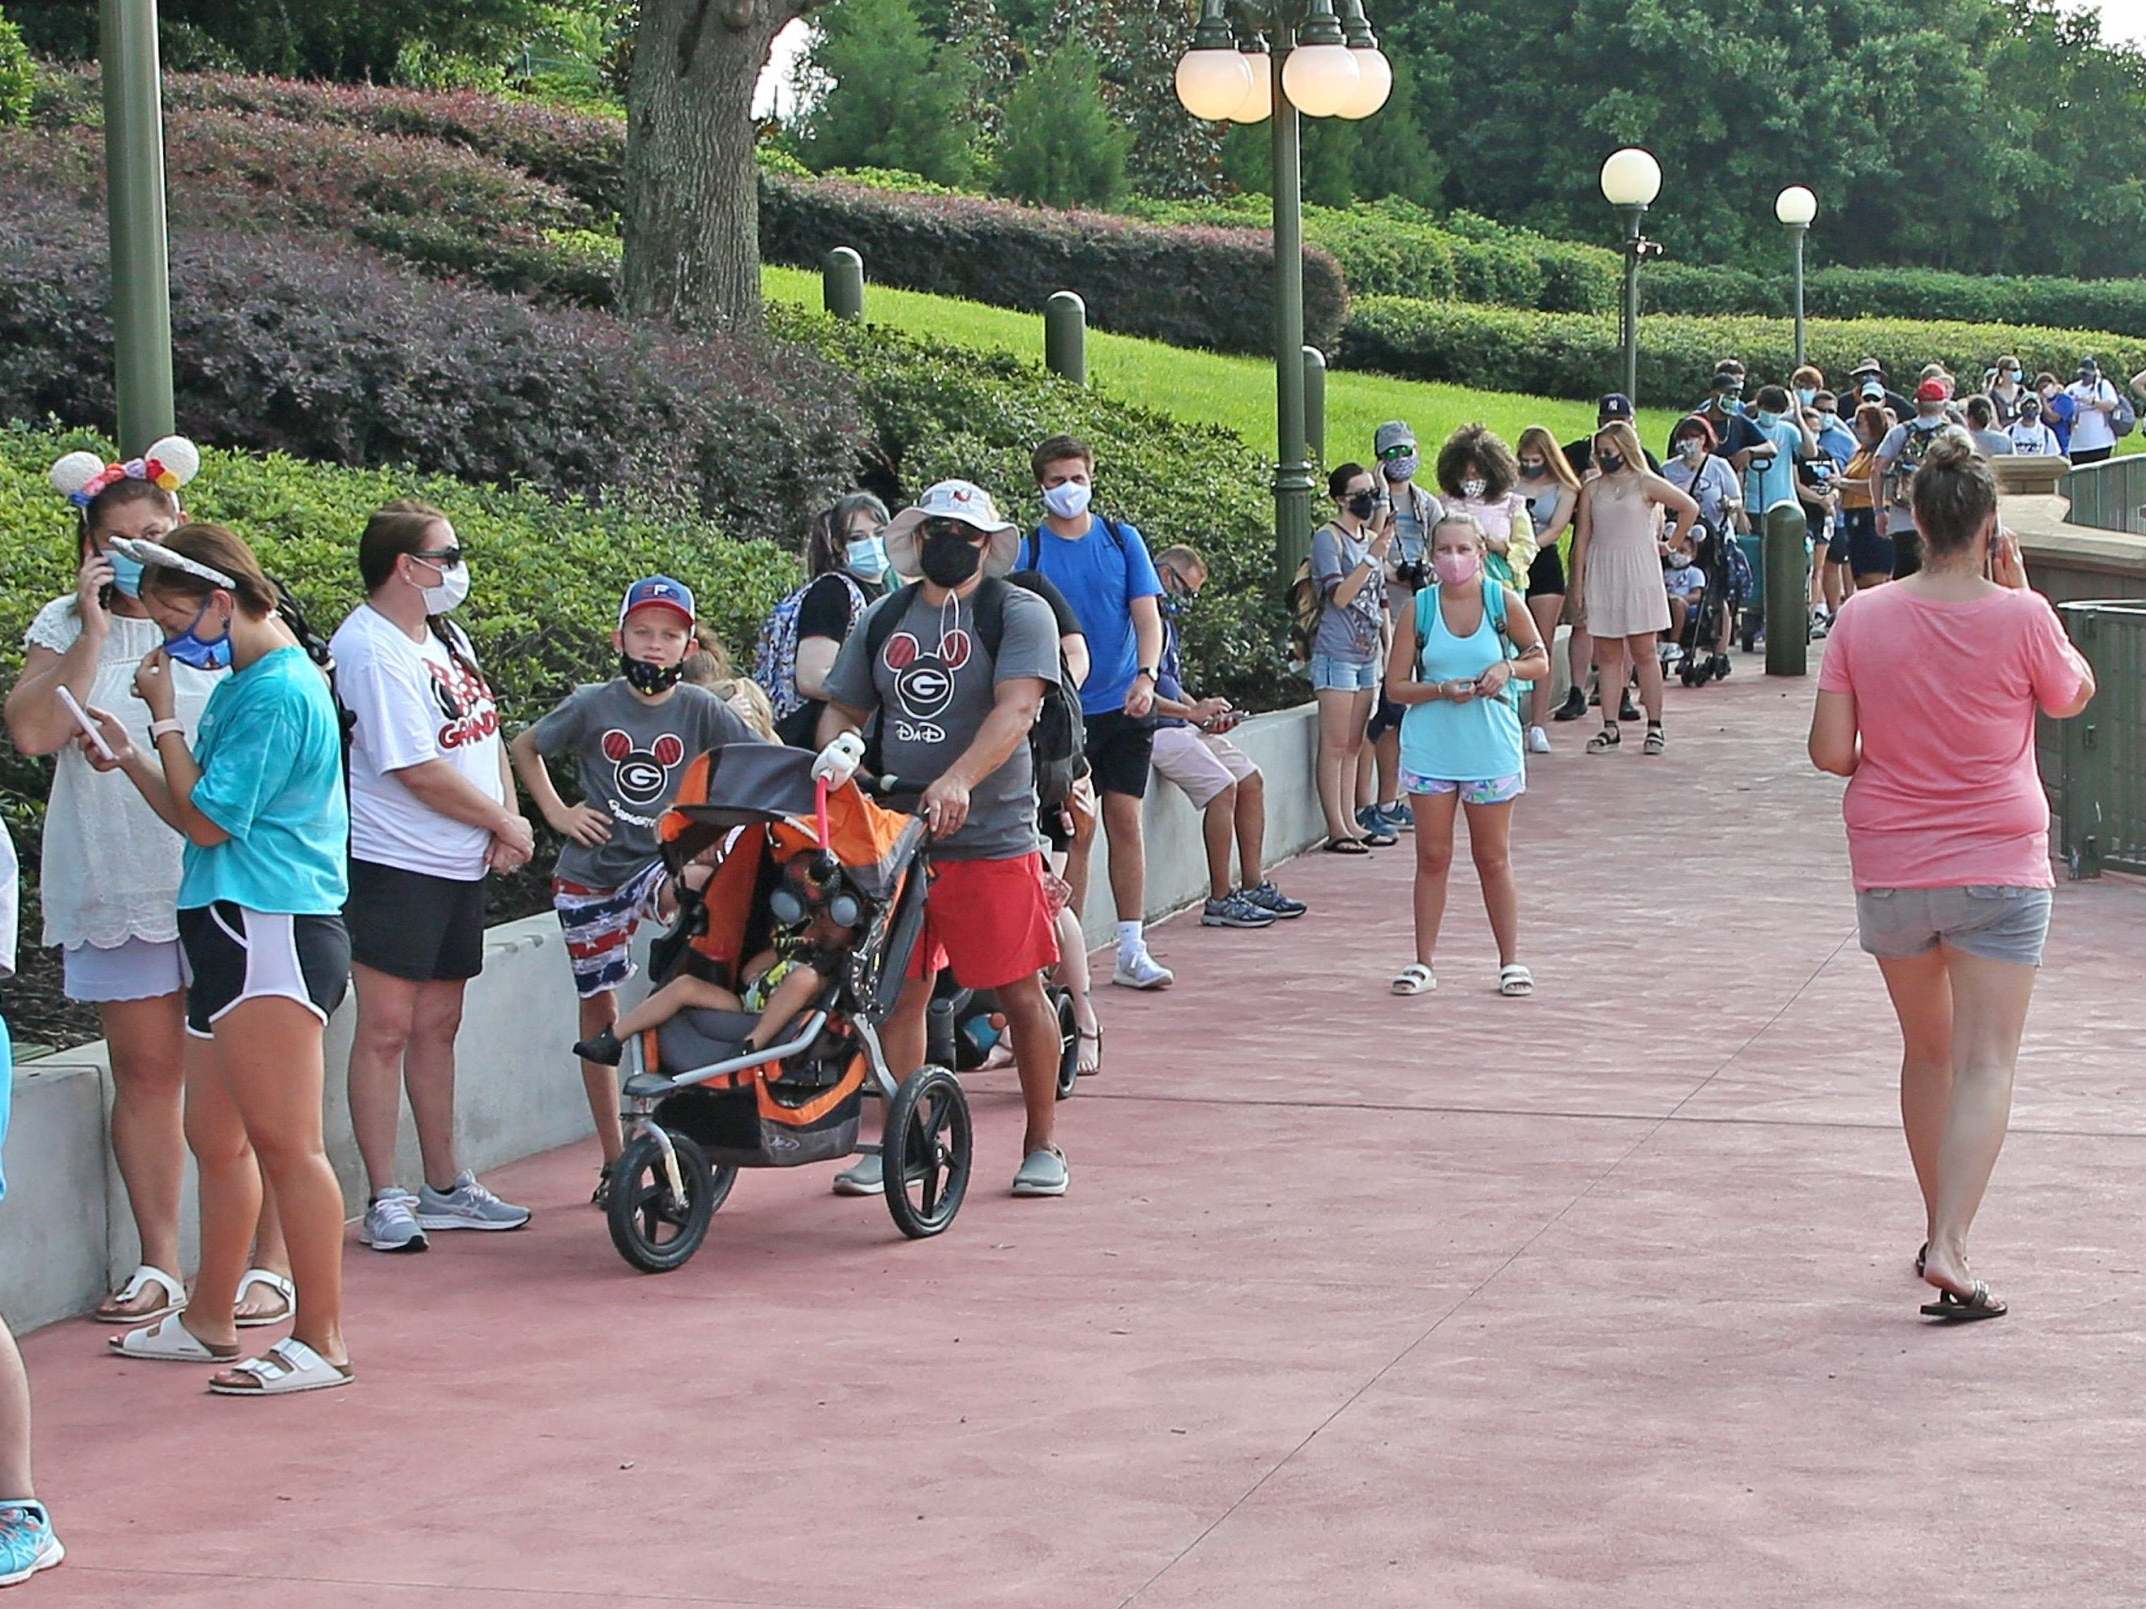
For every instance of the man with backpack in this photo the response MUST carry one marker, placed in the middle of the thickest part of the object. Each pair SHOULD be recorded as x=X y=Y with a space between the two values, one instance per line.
x=2094 y=430
x=1103 y=568
x=1892 y=480
x=956 y=670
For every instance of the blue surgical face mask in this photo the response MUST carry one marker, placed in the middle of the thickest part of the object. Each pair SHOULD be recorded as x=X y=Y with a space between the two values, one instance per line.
x=1806 y=394
x=126 y=573
x=1766 y=418
x=189 y=648
x=868 y=557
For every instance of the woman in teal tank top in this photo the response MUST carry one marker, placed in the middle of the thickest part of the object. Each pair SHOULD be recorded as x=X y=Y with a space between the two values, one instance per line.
x=1453 y=656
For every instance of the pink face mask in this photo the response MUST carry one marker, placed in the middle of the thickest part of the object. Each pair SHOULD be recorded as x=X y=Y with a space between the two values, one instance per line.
x=1456 y=569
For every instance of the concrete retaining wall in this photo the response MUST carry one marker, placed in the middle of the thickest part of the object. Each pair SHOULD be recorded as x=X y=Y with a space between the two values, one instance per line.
x=65 y=1232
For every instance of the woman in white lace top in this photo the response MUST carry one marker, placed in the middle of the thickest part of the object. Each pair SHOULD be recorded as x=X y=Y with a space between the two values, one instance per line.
x=110 y=869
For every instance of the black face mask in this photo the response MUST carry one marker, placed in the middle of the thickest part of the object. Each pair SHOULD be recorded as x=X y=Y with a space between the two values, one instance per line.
x=948 y=559
x=643 y=677
x=1611 y=462
x=1364 y=504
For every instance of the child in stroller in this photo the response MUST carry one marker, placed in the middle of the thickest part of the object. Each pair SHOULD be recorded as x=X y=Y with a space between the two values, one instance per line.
x=779 y=983
x=1703 y=609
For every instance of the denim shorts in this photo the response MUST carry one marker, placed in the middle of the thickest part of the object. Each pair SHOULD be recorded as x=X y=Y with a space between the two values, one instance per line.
x=1993 y=922
x=1331 y=675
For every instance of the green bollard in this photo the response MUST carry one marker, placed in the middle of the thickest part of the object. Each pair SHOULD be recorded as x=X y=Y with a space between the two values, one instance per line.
x=842 y=284
x=1315 y=405
x=1788 y=592
x=1065 y=337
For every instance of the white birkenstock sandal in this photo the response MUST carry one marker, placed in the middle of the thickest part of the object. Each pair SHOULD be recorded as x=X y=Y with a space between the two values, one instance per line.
x=288 y=1367
x=169 y=1341
x=1415 y=978
x=1515 y=981
x=138 y=1281
x=275 y=1282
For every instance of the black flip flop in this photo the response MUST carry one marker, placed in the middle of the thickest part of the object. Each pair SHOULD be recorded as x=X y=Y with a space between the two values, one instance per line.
x=1346 y=846
x=1960 y=1309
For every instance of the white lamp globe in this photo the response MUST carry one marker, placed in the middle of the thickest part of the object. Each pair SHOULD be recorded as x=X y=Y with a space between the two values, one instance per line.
x=1212 y=84
x=1374 y=82
x=1631 y=178
x=1320 y=79
x=1258 y=105
x=1795 y=207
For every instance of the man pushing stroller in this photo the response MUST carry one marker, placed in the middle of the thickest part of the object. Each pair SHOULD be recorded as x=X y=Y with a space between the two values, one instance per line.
x=955 y=673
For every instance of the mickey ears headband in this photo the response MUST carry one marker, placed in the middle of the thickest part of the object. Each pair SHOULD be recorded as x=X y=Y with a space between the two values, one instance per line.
x=169 y=464
x=156 y=556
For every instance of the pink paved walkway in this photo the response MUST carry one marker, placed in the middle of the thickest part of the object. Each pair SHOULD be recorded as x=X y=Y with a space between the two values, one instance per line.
x=1601 y=1298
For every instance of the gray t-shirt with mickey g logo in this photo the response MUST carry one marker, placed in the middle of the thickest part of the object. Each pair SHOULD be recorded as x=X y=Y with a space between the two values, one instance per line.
x=629 y=756
x=933 y=685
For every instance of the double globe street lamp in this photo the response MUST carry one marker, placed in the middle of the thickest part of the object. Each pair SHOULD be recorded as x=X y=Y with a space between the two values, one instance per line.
x=1271 y=60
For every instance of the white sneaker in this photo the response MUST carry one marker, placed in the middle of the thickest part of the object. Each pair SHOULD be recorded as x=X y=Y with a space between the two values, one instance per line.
x=1141 y=970
x=1538 y=740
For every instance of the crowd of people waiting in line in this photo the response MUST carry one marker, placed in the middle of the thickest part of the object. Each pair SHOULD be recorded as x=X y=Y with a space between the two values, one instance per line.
x=215 y=885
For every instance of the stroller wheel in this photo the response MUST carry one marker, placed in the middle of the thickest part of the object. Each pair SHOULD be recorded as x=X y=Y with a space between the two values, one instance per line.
x=1068 y=1044
x=653 y=1229
x=1721 y=667
x=928 y=1129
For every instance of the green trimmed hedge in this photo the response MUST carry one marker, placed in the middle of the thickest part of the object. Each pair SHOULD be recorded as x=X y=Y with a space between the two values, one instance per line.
x=1579 y=354
x=2092 y=306
x=18 y=76
x=547 y=579
x=1190 y=286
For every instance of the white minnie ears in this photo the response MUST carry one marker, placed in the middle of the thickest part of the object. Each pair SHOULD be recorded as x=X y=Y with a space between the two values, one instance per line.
x=168 y=464
x=156 y=556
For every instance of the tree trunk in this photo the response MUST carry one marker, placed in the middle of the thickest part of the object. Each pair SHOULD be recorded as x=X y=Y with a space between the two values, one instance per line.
x=692 y=223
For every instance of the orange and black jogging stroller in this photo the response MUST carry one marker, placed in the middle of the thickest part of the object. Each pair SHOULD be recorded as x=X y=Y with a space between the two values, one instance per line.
x=697 y=1105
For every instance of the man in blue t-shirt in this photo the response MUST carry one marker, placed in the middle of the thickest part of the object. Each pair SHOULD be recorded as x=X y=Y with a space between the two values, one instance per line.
x=1102 y=567
x=1783 y=442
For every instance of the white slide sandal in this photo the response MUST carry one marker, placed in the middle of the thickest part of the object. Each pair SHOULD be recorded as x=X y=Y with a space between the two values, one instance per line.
x=146 y=1275
x=1515 y=981
x=275 y=1282
x=288 y=1367
x=1415 y=978
x=169 y=1341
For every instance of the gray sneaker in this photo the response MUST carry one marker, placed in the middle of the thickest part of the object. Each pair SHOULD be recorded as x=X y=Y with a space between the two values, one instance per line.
x=391 y=1223
x=1234 y=910
x=864 y=1177
x=1042 y=1173
x=467 y=1206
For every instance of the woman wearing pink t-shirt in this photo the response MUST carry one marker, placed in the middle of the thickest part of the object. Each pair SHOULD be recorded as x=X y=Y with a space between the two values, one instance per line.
x=1926 y=703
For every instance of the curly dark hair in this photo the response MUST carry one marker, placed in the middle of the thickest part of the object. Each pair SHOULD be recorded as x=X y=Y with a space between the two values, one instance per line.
x=1476 y=447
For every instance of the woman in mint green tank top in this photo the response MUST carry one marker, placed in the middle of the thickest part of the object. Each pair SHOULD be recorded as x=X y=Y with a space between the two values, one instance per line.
x=1454 y=656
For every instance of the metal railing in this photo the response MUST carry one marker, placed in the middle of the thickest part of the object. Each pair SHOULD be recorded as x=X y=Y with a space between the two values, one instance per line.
x=2101 y=793
x=2109 y=496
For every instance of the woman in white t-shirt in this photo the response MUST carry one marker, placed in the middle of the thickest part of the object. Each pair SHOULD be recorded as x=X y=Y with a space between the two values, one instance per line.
x=2093 y=437
x=432 y=810
x=110 y=867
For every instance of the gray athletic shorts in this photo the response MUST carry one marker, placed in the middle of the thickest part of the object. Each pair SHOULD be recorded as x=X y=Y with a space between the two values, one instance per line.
x=1993 y=922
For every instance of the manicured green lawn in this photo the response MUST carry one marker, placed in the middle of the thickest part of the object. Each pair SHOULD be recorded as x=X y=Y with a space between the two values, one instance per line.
x=1237 y=392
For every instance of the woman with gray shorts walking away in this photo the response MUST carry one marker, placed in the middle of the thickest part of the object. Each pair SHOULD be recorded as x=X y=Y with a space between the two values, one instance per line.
x=1926 y=703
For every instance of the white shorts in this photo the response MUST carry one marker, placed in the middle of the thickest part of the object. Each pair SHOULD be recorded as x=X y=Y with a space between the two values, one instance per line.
x=1201 y=763
x=139 y=969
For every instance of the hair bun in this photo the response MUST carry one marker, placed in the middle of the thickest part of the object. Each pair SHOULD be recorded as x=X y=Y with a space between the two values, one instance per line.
x=75 y=471
x=172 y=462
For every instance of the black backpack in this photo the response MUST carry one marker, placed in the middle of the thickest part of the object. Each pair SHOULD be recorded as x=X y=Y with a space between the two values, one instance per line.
x=1057 y=744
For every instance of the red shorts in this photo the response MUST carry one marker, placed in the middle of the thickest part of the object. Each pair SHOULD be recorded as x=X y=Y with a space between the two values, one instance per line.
x=988 y=920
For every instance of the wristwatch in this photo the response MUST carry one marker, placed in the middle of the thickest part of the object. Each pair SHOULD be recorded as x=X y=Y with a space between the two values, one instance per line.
x=157 y=729
x=1153 y=676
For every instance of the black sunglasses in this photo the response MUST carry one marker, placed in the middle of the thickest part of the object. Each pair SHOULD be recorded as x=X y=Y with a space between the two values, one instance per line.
x=446 y=558
x=960 y=529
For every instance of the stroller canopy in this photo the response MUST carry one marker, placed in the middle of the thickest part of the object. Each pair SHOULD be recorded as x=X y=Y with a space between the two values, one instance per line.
x=748 y=784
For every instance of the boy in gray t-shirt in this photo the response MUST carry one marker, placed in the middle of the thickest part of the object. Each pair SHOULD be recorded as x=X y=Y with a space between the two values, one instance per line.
x=630 y=738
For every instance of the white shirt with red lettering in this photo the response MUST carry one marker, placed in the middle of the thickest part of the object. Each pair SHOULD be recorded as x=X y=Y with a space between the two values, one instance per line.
x=411 y=702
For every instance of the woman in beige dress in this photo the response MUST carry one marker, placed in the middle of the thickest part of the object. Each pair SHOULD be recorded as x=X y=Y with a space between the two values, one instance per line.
x=1617 y=572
